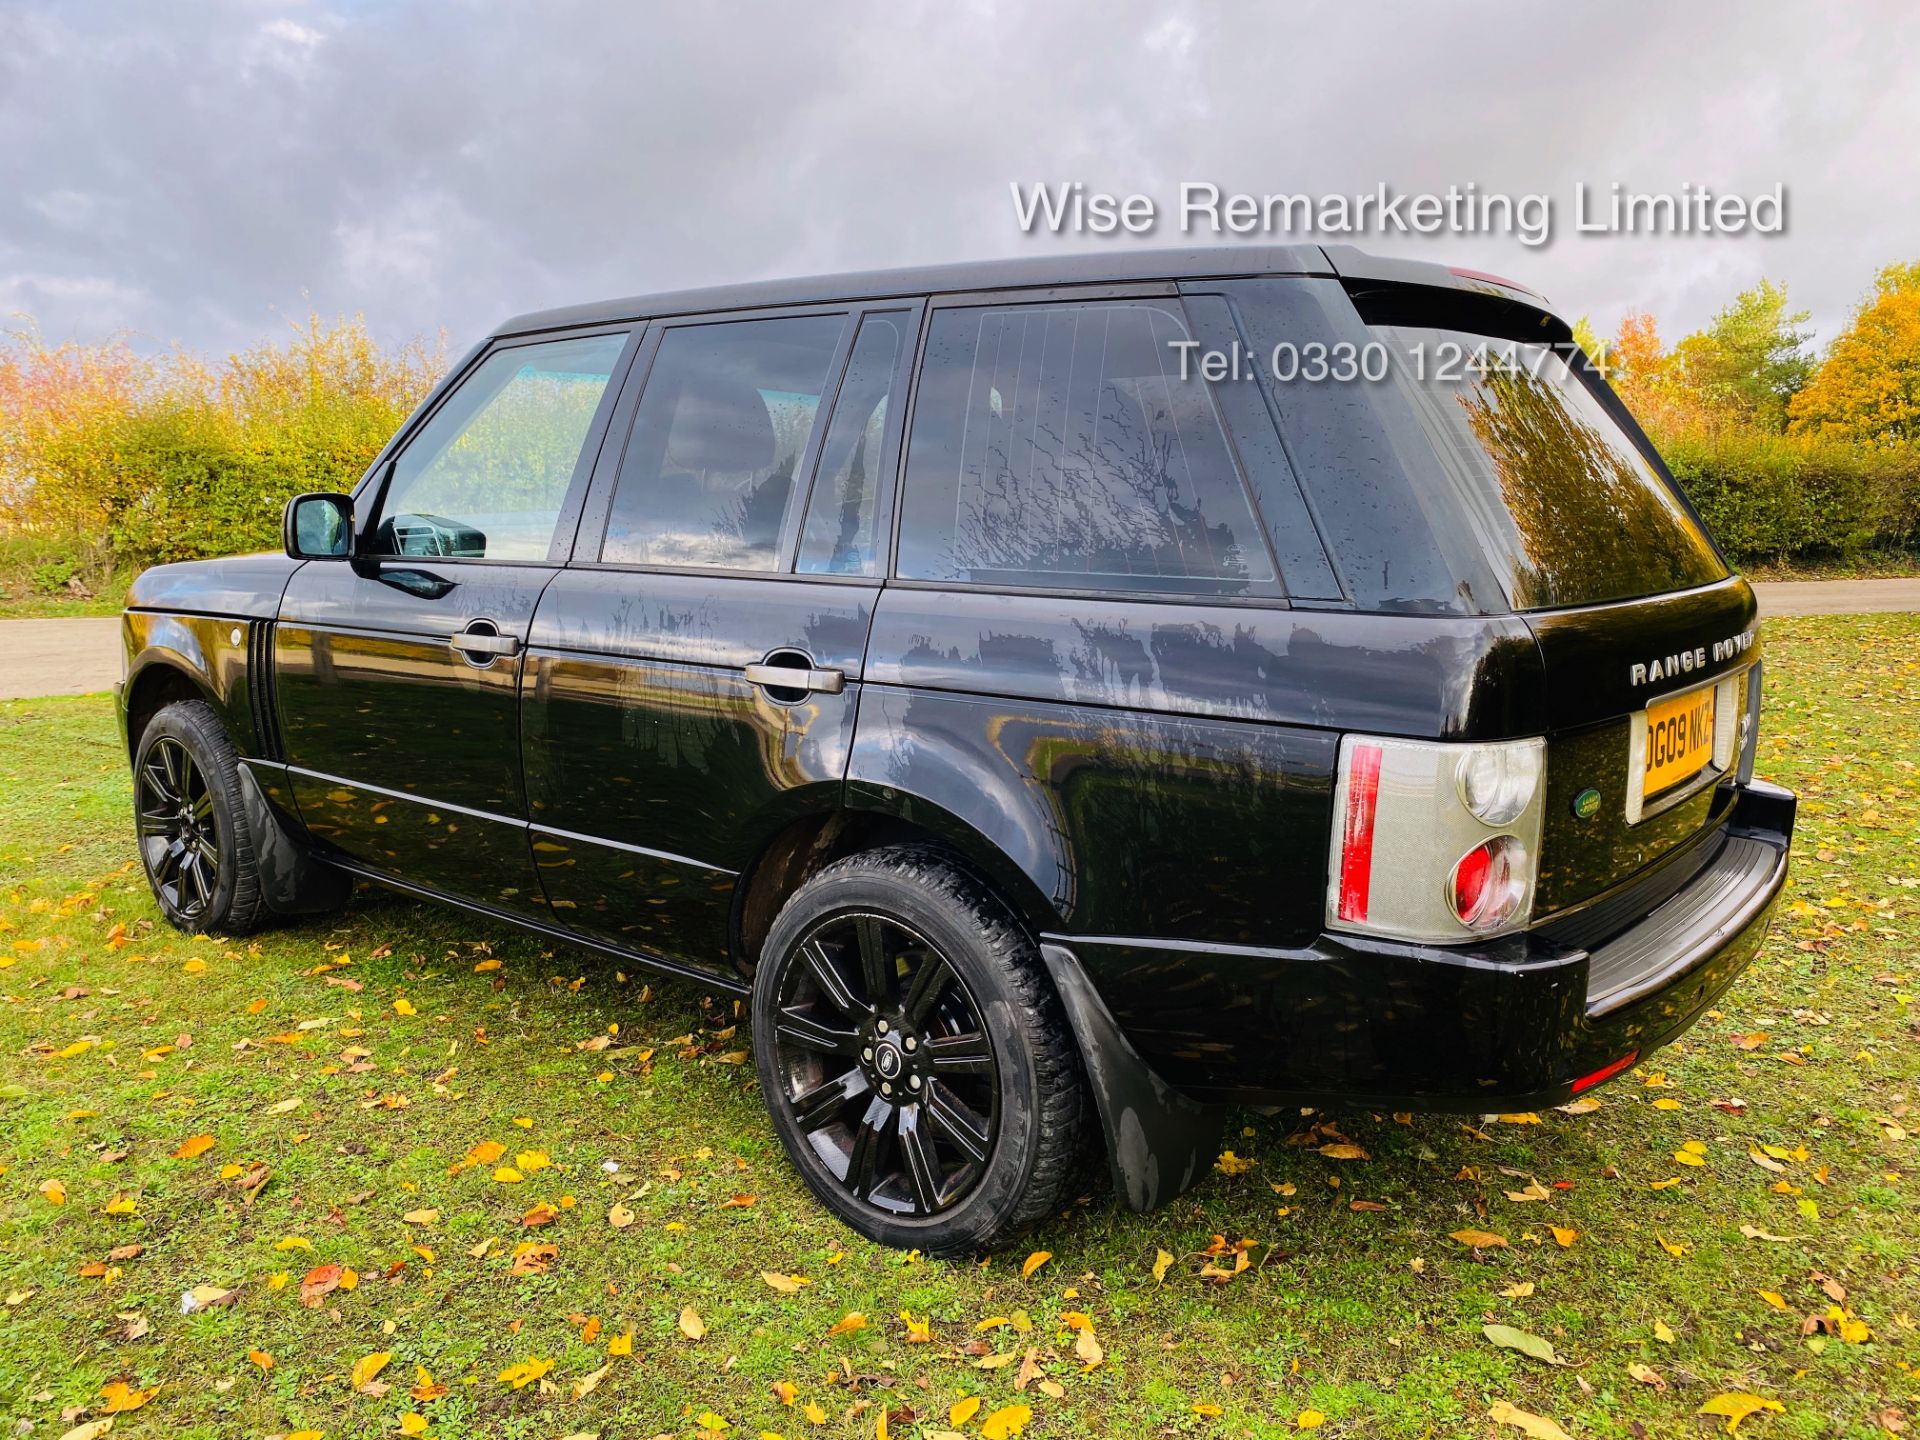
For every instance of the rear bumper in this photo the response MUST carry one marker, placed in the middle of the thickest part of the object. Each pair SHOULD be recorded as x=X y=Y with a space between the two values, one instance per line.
x=1513 y=1027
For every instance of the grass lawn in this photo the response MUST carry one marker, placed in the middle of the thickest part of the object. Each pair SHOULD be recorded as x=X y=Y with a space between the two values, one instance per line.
x=359 y=1093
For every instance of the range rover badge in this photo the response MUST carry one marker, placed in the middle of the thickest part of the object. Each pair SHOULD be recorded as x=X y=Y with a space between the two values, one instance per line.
x=1586 y=804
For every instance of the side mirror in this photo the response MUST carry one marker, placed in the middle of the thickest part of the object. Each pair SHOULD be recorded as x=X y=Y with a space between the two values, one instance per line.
x=319 y=526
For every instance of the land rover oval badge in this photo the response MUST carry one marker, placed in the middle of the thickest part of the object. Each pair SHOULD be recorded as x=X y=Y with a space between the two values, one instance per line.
x=1586 y=804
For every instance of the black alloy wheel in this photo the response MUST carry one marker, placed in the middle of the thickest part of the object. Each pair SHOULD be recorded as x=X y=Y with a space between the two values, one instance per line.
x=883 y=1055
x=190 y=818
x=918 y=1066
x=179 y=837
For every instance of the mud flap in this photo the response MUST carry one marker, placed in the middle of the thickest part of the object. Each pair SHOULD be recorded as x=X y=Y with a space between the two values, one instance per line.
x=292 y=880
x=1159 y=1142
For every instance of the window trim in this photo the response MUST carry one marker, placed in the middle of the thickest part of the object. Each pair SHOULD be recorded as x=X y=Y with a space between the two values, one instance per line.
x=1058 y=295
x=371 y=493
x=597 y=507
x=893 y=442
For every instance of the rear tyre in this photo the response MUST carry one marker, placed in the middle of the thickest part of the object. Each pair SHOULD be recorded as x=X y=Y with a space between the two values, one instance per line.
x=195 y=843
x=916 y=1060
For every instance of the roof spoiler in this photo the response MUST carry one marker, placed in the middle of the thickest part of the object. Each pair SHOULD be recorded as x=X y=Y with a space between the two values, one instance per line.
x=1351 y=263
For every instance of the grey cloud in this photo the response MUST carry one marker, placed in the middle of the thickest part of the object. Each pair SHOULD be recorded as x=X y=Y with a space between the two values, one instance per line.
x=195 y=172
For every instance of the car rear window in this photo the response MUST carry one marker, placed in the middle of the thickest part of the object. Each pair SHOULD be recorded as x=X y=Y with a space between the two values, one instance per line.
x=1567 y=506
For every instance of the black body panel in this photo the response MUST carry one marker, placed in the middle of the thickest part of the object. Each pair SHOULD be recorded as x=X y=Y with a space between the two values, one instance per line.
x=247 y=586
x=655 y=770
x=403 y=753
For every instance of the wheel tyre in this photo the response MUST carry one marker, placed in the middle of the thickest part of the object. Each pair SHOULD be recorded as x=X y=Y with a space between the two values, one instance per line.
x=189 y=820
x=936 y=910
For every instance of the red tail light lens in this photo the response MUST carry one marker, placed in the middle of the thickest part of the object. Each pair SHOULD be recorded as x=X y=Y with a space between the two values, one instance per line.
x=1470 y=881
x=1488 y=883
x=1356 y=847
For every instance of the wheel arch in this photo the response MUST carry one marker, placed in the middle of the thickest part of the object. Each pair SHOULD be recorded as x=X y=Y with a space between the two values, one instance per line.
x=810 y=843
x=160 y=678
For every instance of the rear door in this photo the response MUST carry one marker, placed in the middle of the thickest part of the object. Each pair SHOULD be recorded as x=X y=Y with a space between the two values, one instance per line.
x=694 y=673
x=399 y=672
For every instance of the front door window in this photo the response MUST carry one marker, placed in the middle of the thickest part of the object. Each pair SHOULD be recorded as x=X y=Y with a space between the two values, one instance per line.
x=485 y=478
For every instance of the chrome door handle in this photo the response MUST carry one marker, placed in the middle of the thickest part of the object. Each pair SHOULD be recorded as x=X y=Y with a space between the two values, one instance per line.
x=479 y=643
x=787 y=677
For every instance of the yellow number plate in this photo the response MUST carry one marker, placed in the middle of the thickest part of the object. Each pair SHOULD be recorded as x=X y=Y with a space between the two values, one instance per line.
x=1679 y=739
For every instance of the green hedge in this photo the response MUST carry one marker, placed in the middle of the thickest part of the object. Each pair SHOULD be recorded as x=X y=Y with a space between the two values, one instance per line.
x=1768 y=497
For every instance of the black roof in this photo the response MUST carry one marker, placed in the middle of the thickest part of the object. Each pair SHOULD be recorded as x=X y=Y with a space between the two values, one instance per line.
x=1106 y=267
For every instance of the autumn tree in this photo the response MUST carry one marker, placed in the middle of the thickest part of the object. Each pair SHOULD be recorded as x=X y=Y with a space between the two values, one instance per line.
x=1750 y=360
x=1867 y=389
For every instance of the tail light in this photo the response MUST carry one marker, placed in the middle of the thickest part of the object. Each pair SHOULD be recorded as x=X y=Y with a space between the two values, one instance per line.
x=1356 y=846
x=1435 y=842
x=1488 y=883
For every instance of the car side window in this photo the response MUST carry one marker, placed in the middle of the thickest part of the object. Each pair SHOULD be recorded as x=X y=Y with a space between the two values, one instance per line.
x=839 y=534
x=485 y=478
x=1058 y=445
x=719 y=434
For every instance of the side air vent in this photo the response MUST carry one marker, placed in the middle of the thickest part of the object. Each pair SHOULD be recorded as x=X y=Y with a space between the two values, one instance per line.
x=260 y=689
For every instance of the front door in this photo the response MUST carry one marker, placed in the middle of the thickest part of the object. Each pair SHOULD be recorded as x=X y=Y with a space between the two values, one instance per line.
x=691 y=687
x=399 y=671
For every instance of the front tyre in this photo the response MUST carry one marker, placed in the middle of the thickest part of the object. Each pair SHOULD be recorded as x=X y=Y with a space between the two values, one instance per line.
x=917 y=1063
x=195 y=843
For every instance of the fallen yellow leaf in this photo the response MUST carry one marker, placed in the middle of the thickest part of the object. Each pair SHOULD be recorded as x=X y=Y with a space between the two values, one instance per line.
x=848 y=1323
x=1310 y=1419
x=1007 y=1421
x=1563 y=1237
x=404 y=1006
x=368 y=1366
x=1479 y=1239
x=1162 y=1262
x=523 y=1373
x=691 y=1325
x=963 y=1411
x=193 y=1145
x=1032 y=1263
x=117 y=1396
x=784 y=1284
x=1737 y=1406
x=1539 y=1427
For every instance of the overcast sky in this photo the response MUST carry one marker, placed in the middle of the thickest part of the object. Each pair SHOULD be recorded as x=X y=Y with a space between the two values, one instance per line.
x=200 y=172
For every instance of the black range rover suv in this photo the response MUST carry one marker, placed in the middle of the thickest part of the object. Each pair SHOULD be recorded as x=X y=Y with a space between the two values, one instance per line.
x=1052 y=742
